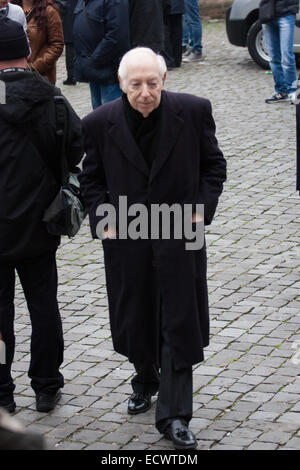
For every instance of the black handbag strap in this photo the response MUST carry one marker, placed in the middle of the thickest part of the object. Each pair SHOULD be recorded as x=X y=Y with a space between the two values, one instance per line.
x=61 y=124
x=30 y=15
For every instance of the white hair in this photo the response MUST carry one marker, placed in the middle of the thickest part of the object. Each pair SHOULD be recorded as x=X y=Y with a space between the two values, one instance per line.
x=122 y=71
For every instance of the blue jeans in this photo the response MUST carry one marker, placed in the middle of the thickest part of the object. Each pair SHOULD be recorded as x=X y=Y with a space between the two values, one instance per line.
x=279 y=36
x=101 y=94
x=192 y=27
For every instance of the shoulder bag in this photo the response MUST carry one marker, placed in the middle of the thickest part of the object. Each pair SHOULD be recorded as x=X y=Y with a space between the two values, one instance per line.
x=66 y=213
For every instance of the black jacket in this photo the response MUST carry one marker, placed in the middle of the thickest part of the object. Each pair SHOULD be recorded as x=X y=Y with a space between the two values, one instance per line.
x=147 y=23
x=101 y=37
x=29 y=163
x=286 y=7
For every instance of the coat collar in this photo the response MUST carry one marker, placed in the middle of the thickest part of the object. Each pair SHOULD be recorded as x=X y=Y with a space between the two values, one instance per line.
x=171 y=123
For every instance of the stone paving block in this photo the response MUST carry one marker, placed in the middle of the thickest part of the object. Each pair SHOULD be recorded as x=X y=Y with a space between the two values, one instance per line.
x=294 y=443
x=102 y=446
x=206 y=413
x=227 y=447
x=262 y=446
x=82 y=401
x=87 y=436
x=118 y=437
x=276 y=437
x=66 y=411
x=289 y=417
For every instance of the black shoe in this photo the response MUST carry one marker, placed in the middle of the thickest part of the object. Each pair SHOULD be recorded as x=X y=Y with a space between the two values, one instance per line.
x=180 y=435
x=9 y=406
x=139 y=403
x=69 y=81
x=278 y=98
x=46 y=402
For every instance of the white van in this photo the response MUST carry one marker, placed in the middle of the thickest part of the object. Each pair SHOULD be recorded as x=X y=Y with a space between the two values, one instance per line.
x=244 y=29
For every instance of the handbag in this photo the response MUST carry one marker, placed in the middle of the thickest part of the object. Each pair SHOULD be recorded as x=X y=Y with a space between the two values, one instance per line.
x=66 y=212
x=266 y=11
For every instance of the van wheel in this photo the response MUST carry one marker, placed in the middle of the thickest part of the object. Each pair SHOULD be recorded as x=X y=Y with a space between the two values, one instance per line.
x=257 y=47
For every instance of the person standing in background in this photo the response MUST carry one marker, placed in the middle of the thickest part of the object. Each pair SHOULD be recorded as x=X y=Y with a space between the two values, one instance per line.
x=278 y=24
x=67 y=22
x=45 y=34
x=101 y=37
x=193 y=31
x=173 y=32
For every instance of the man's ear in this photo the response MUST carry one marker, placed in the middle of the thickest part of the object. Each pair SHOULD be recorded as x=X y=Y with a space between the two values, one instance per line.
x=121 y=82
x=164 y=77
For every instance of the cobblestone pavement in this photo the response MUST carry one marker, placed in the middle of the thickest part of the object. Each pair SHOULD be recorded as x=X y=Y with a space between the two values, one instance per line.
x=246 y=393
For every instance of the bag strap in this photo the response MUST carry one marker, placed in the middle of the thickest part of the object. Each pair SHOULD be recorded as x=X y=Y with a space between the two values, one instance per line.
x=30 y=15
x=61 y=125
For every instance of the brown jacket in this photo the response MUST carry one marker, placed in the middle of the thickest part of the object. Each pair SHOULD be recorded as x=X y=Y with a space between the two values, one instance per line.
x=46 y=45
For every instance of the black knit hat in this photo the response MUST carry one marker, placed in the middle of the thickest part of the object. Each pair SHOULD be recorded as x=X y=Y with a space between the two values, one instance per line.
x=13 y=40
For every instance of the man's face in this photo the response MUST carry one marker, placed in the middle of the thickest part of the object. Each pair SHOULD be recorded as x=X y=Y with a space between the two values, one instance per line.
x=3 y=3
x=144 y=84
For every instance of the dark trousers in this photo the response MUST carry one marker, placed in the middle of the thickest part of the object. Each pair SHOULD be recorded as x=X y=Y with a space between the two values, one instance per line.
x=38 y=277
x=174 y=386
x=70 y=60
x=173 y=39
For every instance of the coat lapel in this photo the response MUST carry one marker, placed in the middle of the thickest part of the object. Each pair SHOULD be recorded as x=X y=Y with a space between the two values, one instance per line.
x=123 y=138
x=171 y=126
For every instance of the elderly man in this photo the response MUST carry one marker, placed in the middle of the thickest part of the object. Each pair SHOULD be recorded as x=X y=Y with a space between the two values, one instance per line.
x=154 y=147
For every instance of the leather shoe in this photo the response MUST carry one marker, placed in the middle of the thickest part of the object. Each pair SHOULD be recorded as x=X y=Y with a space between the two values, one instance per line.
x=180 y=435
x=139 y=403
x=47 y=402
x=69 y=81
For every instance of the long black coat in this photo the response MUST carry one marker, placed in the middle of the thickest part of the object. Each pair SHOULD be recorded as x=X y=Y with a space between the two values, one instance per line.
x=144 y=275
